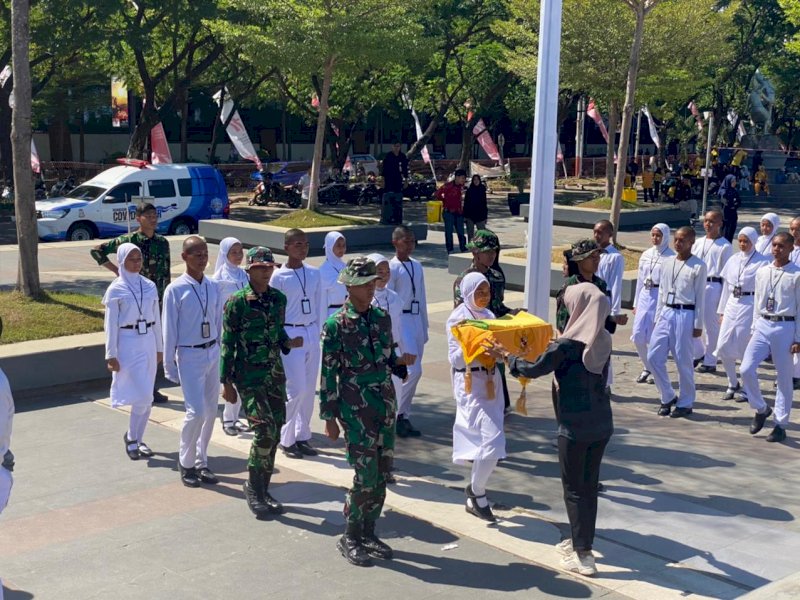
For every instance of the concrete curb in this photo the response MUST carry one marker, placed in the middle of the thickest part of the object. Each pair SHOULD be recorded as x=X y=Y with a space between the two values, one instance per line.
x=575 y=216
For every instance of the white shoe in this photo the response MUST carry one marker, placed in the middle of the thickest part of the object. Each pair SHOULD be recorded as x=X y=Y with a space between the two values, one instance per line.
x=581 y=564
x=564 y=547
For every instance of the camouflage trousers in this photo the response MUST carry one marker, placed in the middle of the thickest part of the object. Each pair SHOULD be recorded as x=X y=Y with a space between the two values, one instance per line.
x=372 y=458
x=265 y=408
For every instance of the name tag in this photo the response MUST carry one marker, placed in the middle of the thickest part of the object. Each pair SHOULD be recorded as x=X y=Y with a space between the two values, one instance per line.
x=415 y=307
x=671 y=298
x=771 y=304
x=737 y=291
x=205 y=330
x=305 y=306
x=141 y=327
x=648 y=284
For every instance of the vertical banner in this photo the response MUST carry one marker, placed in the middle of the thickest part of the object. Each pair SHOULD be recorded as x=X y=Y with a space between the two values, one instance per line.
x=595 y=116
x=485 y=140
x=696 y=114
x=159 y=147
x=652 y=126
x=426 y=157
x=36 y=165
x=119 y=103
x=236 y=130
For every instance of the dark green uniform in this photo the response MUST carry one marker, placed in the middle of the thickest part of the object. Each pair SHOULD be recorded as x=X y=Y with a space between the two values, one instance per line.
x=497 y=287
x=357 y=362
x=562 y=314
x=253 y=336
x=155 y=256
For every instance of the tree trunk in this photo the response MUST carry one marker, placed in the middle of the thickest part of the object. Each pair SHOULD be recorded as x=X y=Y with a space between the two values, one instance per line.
x=613 y=110
x=6 y=162
x=319 y=138
x=184 y=126
x=25 y=210
x=426 y=135
x=627 y=115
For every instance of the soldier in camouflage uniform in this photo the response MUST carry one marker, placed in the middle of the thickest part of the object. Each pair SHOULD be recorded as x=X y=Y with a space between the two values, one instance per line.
x=358 y=360
x=155 y=256
x=252 y=337
x=484 y=246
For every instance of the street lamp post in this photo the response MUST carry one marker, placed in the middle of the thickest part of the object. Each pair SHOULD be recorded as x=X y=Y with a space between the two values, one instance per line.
x=543 y=161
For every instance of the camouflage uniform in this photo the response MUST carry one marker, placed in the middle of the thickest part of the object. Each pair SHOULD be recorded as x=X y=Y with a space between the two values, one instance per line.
x=485 y=240
x=155 y=256
x=358 y=360
x=580 y=250
x=253 y=336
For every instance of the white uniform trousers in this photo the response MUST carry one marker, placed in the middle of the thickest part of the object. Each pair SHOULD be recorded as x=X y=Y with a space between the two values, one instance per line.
x=198 y=369
x=796 y=365
x=416 y=341
x=302 y=367
x=776 y=339
x=6 y=482
x=734 y=334
x=644 y=323
x=673 y=333
x=706 y=345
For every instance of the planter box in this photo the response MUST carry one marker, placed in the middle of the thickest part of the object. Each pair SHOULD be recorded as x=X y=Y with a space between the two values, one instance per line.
x=255 y=234
x=514 y=270
x=644 y=218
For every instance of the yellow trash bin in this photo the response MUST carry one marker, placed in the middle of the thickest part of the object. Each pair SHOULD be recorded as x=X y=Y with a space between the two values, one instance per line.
x=629 y=194
x=434 y=211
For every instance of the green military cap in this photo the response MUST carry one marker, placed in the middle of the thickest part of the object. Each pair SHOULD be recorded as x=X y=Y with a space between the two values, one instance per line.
x=484 y=240
x=359 y=270
x=584 y=248
x=259 y=256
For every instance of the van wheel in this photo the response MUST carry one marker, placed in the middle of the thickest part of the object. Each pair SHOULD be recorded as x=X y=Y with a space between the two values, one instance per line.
x=80 y=232
x=181 y=227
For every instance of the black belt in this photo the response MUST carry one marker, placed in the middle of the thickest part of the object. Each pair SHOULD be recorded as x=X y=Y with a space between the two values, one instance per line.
x=149 y=324
x=297 y=324
x=746 y=294
x=776 y=318
x=714 y=279
x=471 y=369
x=335 y=305
x=409 y=312
x=681 y=306
x=201 y=346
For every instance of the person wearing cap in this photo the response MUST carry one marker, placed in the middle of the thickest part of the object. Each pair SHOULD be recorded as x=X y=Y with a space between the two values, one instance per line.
x=358 y=361
x=300 y=283
x=679 y=319
x=253 y=339
x=6 y=421
x=191 y=328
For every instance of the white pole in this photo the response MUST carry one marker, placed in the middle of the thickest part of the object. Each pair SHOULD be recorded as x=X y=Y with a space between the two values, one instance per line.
x=579 y=137
x=708 y=163
x=543 y=157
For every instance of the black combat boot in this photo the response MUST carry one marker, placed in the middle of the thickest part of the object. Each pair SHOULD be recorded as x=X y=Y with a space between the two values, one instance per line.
x=254 y=494
x=273 y=505
x=374 y=547
x=350 y=546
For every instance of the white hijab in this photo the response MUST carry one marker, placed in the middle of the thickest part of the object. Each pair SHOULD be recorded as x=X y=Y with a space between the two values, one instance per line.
x=588 y=309
x=128 y=285
x=765 y=240
x=752 y=235
x=663 y=246
x=331 y=239
x=469 y=310
x=225 y=270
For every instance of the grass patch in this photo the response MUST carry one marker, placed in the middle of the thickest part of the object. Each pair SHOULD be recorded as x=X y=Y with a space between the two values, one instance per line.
x=605 y=203
x=308 y=218
x=54 y=314
x=630 y=257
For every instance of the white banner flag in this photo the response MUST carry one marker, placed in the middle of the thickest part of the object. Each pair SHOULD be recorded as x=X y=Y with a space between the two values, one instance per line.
x=36 y=164
x=652 y=126
x=426 y=157
x=236 y=130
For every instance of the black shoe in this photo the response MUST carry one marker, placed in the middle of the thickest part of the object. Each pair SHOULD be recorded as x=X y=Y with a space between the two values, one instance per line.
x=697 y=362
x=144 y=450
x=374 y=547
x=740 y=397
x=778 y=434
x=206 y=476
x=350 y=547
x=482 y=512
x=306 y=449
x=189 y=477
x=600 y=487
x=242 y=427
x=681 y=411
x=706 y=369
x=759 y=419
x=401 y=427
x=796 y=383
x=731 y=392
x=666 y=409
x=390 y=478
x=651 y=381
x=291 y=451
x=132 y=454
x=255 y=492
x=230 y=429
x=410 y=431
x=159 y=398
x=642 y=378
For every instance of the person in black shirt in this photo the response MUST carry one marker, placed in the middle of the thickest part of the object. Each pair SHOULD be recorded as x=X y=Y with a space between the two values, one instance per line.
x=395 y=171
x=476 y=210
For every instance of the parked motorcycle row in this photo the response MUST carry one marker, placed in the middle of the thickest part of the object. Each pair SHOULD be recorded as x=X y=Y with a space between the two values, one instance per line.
x=59 y=189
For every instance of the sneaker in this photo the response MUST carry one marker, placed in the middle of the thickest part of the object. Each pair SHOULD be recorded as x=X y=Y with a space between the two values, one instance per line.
x=564 y=547
x=580 y=562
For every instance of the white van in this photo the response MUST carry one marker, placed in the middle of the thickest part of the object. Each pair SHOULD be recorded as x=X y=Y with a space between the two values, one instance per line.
x=104 y=206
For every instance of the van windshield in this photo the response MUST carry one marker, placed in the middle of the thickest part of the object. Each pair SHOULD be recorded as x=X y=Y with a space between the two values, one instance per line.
x=86 y=192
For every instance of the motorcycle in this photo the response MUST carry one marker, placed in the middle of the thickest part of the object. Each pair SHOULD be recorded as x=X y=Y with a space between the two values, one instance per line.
x=62 y=187
x=267 y=191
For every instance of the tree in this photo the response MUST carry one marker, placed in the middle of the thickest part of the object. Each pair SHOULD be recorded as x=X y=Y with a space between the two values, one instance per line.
x=25 y=210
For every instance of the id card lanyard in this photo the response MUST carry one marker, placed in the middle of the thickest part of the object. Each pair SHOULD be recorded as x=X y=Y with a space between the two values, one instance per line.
x=205 y=328
x=305 y=303
x=414 y=301
x=648 y=282
x=771 y=291
x=737 y=289
x=141 y=323
x=671 y=295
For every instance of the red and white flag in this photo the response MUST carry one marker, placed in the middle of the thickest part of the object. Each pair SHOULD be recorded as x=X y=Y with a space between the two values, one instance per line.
x=696 y=113
x=36 y=164
x=236 y=130
x=485 y=140
x=159 y=148
x=594 y=115
x=652 y=125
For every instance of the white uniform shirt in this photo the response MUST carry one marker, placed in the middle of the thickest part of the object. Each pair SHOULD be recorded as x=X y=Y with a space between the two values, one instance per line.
x=683 y=282
x=302 y=290
x=715 y=253
x=740 y=271
x=187 y=305
x=121 y=314
x=650 y=264
x=783 y=285
x=408 y=281
x=610 y=270
x=390 y=302
x=6 y=416
x=795 y=255
x=332 y=293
